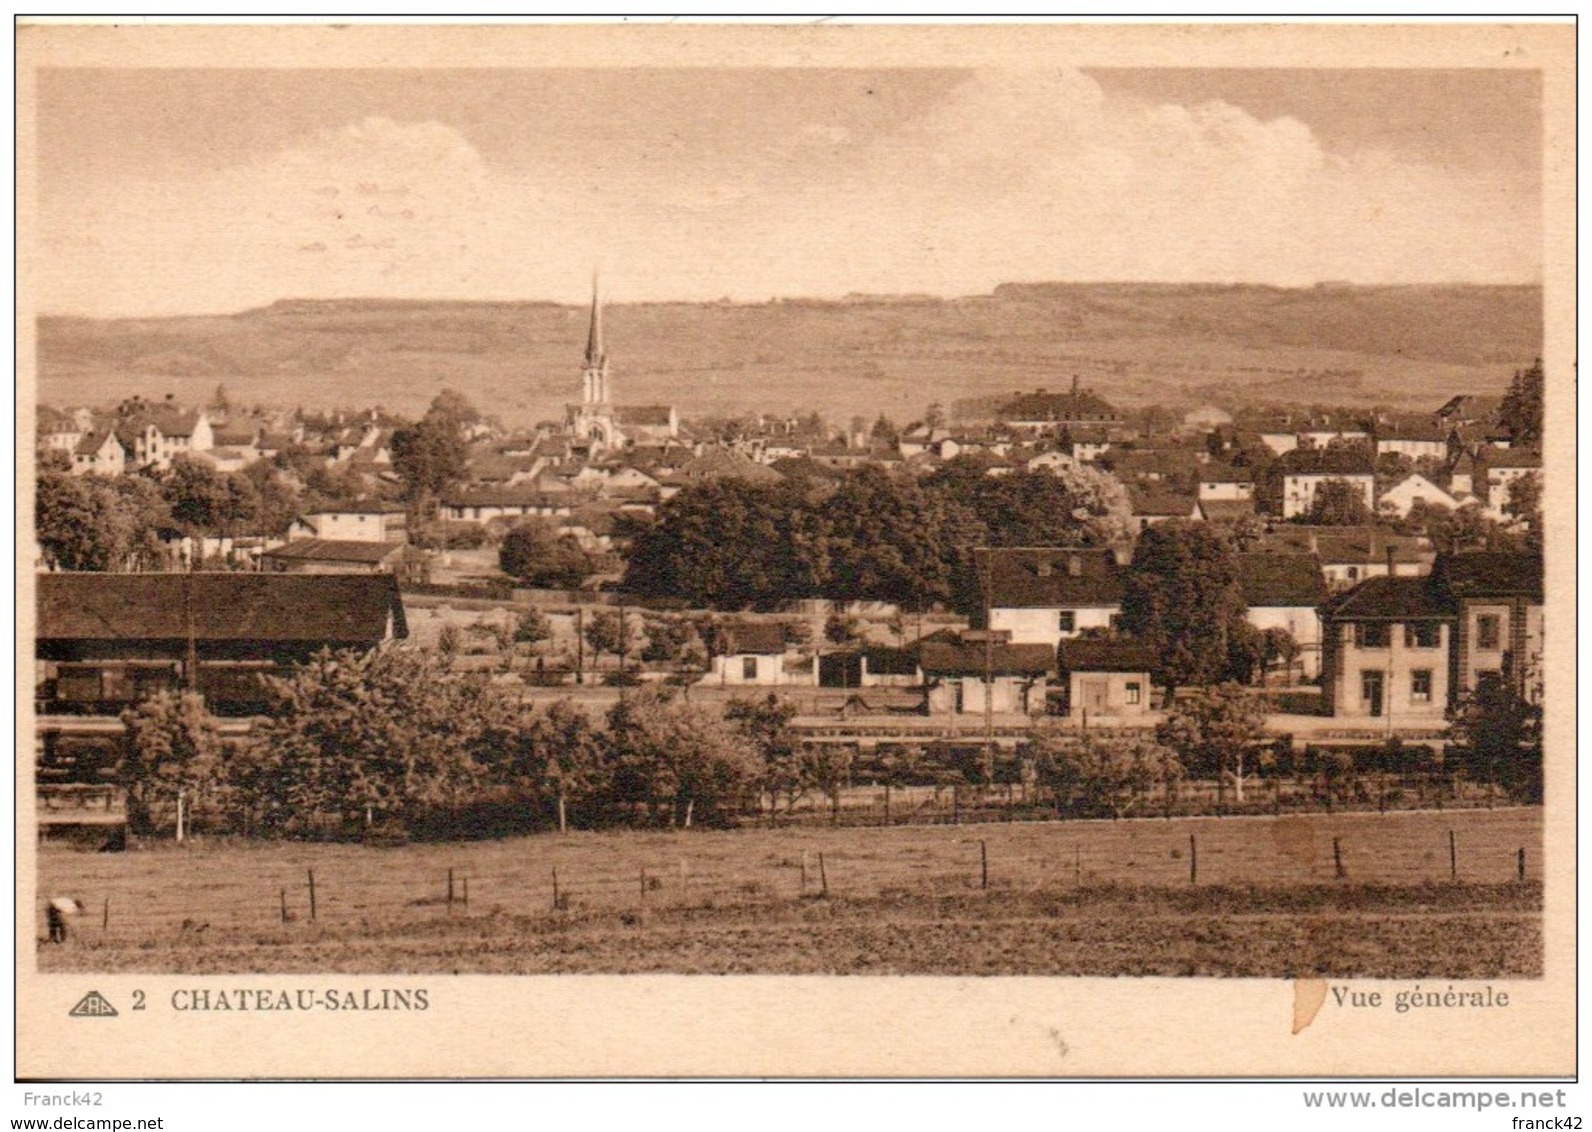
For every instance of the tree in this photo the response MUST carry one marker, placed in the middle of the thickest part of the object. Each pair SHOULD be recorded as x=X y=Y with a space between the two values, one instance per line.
x=173 y=749
x=428 y=458
x=730 y=544
x=1113 y=774
x=385 y=734
x=532 y=627
x=1521 y=412
x=890 y=539
x=765 y=722
x=606 y=632
x=1213 y=730
x=1523 y=503
x=536 y=553
x=679 y=758
x=1074 y=505
x=1500 y=731
x=204 y=502
x=1182 y=598
x=80 y=523
x=1278 y=644
x=1338 y=503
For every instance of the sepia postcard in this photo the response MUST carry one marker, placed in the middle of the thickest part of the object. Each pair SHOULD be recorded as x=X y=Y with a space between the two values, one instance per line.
x=948 y=550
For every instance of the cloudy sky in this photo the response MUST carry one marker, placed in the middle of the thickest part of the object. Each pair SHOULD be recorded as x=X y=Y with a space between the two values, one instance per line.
x=164 y=191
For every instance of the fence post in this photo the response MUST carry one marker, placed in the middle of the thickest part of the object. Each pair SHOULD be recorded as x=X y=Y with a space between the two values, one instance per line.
x=1193 y=860
x=105 y=914
x=886 y=803
x=956 y=805
x=823 y=877
x=1337 y=859
x=284 y=905
x=1453 y=858
x=983 y=864
x=450 y=892
x=804 y=872
x=467 y=895
x=555 y=888
x=312 y=892
x=1520 y=864
x=1077 y=865
x=643 y=885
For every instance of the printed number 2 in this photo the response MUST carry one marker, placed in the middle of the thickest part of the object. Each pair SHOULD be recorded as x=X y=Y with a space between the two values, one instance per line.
x=138 y=1000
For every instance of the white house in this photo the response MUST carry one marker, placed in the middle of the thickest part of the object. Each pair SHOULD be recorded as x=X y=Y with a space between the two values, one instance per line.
x=1047 y=594
x=1304 y=470
x=1412 y=489
x=1283 y=592
x=750 y=653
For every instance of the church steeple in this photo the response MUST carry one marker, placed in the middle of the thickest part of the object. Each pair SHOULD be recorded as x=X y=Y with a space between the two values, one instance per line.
x=594 y=377
x=594 y=334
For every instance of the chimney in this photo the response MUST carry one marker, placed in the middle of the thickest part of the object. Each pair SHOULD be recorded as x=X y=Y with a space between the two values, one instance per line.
x=1390 y=559
x=1074 y=566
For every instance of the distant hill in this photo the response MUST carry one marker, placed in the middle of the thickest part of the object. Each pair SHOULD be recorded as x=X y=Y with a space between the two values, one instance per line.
x=1409 y=346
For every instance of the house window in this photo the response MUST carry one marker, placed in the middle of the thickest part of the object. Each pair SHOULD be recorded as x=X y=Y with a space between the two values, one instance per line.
x=1354 y=573
x=1067 y=621
x=1421 y=635
x=1487 y=631
x=1371 y=635
x=1421 y=686
x=1131 y=692
x=749 y=668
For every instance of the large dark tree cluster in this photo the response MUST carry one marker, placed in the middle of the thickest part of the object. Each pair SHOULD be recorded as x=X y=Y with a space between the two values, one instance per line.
x=876 y=535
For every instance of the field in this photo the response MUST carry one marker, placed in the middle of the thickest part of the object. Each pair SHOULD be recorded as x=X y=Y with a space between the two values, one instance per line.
x=1422 y=894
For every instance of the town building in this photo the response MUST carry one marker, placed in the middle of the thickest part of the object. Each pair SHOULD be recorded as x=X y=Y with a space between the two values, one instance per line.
x=1044 y=595
x=958 y=675
x=1385 y=651
x=1105 y=681
x=1302 y=471
x=1497 y=599
x=1284 y=591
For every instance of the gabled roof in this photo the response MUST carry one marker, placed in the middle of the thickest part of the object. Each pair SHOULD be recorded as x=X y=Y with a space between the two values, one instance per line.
x=1041 y=405
x=1327 y=462
x=1104 y=656
x=643 y=416
x=305 y=608
x=1281 y=580
x=1053 y=578
x=334 y=550
x=940 y=658
x=1215 y=472
x=1152 y=500
x=1512 y=458
x=92 y=442
x=1482 y=574
x=754 y=637
x=1389 y=599
x=522 y=496
x=719 y=464
x=1226 y=510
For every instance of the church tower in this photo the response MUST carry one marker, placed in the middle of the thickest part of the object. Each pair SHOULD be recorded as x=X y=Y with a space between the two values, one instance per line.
x=593 y=419
x=594 y=377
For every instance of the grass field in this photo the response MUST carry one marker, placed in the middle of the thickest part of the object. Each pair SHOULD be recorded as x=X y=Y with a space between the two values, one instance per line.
x=1080 y=898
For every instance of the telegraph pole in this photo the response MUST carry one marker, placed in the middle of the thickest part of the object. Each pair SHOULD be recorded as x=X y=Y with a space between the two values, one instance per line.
x=989 y=674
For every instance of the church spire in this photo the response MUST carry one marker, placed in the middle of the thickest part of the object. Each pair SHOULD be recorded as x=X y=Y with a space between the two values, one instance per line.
x=595 y=357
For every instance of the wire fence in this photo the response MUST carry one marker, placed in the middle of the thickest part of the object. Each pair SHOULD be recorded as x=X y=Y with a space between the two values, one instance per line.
x=238 y=892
